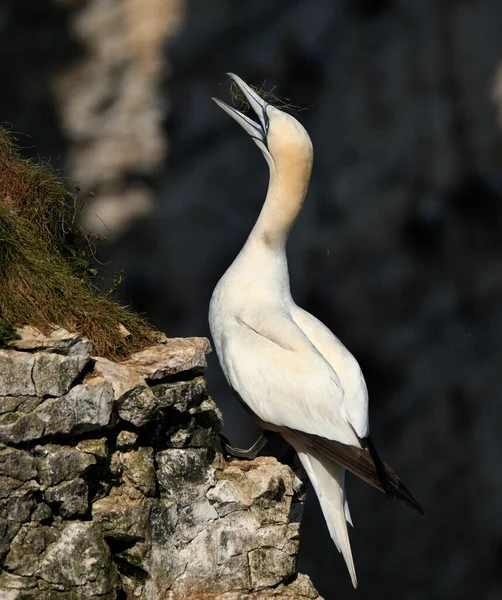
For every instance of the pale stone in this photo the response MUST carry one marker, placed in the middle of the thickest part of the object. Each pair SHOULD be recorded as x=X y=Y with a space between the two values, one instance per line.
x=195 y=518
x=59 y=339
x=184 y=475
x=10 y=584
x=41 y=513
x=138 y=406
x=217 y=526
x=60 y=463
x=180 y=395
x=16 y=370
x=270 y=566
x=80 y=559
x=19 y=427
x=263 y=483
x=71 y=497
x=17 y=464
x=54 y=374
x=27 y=547
x=85 y=407
x=137 y=469
x=122 y=517
x=96 y=447
x=122 y=378
x=126 y=439
x=12 y=403
x=17 y=488
x=226 y=498
x=171 y=357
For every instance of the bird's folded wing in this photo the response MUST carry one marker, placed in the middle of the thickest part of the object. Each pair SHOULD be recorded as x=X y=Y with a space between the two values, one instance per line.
x=283 y=379
x=345 y=365
x=359 y=461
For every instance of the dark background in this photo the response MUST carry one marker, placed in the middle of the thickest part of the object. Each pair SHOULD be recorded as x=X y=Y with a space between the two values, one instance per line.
x=398 y=249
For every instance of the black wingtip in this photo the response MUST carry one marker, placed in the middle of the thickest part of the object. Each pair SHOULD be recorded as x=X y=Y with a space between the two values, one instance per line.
x=402 y=493
x=391 y=484
x=379 y=466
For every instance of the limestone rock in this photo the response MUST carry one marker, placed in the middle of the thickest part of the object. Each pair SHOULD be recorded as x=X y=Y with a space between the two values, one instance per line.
x=53 y=374
x=56 y=464
x=23 y=404
x=71 y=497
x=300 y=588
x=173 y=356
x=17 y=488
x=67 y=562
x=126 y=439
x=16 y=587
x=134 y=400
x=16 y=370
x=28 y=547
x=16 y=427
x=80 y=561
x=14 y=511
x=59 y=472
x=96 y=447
x=41 y=513
x=269 y=566
x=85 y=407
x=138 y=406
x=59 y=340
x=144 y=473
x=58 y=360
x=181 y=395
x=123 y=517
x=218 y=542
x=136 y=469
x=17 y=464
x=184 y=475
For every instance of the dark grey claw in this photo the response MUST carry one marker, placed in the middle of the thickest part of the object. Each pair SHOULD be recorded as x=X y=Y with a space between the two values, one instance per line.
x=248 y=454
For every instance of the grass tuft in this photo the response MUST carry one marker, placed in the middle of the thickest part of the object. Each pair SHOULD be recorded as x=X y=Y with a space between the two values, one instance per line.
x=46 y=262
x=279 y=102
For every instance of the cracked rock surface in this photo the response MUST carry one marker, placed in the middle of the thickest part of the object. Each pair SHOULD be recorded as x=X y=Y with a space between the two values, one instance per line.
x=112 y=484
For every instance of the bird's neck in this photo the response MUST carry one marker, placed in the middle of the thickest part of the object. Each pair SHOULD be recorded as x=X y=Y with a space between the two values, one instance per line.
x=286 y=191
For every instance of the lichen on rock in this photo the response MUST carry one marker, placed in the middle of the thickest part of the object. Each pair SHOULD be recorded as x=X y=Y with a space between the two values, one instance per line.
x=112 y=482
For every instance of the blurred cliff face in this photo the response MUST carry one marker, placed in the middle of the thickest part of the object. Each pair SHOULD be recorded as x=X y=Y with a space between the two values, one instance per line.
x=398 y=250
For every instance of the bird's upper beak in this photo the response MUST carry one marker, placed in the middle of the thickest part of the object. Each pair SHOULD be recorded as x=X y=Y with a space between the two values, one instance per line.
x=257 y=131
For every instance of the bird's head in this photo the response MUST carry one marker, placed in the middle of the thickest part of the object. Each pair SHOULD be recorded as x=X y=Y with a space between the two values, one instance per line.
x=281 y=138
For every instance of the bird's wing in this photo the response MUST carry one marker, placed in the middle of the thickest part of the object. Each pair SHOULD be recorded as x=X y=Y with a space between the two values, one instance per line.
x=281 y=376
x=343 y=363
x=358 y=461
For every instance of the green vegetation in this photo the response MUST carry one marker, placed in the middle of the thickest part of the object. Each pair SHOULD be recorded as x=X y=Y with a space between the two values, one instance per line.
x=47 y=262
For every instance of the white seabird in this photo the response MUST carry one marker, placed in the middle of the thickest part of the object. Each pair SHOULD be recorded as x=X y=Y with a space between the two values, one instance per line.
x=294 y=375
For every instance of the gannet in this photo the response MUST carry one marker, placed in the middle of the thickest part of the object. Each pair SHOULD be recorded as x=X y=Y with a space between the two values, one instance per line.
x=290 y=370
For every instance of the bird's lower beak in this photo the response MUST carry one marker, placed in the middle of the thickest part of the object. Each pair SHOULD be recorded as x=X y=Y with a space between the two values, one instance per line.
x=256 y=130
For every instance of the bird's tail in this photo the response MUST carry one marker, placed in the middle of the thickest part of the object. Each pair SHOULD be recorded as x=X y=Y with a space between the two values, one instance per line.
x=328 y=480
x=363 y=462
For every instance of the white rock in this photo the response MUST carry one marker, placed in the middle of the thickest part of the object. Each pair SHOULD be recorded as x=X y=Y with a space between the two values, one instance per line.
x=16 y=373
x=53 y=374
x=86 y=407
x=173 y=356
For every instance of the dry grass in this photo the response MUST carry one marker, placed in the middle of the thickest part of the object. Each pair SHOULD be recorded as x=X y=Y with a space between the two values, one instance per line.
x=269 y=96
x=46 y=260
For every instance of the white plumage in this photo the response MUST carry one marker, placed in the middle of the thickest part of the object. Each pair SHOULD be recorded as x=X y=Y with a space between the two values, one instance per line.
x=290 y=370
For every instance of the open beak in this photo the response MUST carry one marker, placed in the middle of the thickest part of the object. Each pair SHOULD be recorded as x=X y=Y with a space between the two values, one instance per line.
x=257 y=131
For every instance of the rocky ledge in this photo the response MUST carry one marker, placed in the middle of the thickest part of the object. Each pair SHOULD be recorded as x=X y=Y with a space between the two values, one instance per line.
x=113 y=486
